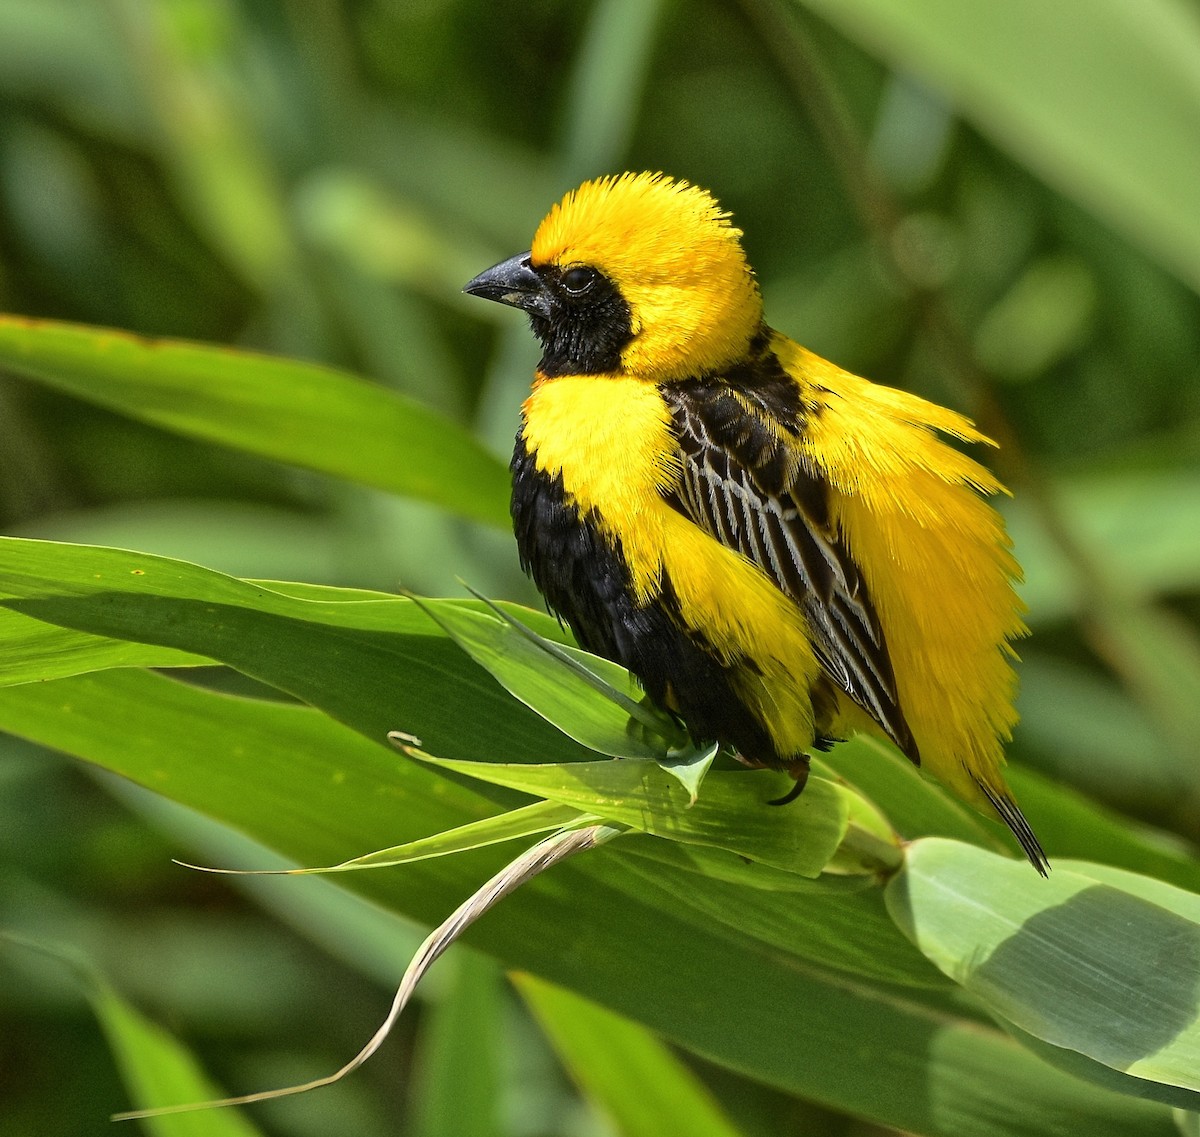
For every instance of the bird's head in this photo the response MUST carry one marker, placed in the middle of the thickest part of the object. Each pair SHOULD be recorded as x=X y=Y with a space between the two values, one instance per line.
x=637 y=274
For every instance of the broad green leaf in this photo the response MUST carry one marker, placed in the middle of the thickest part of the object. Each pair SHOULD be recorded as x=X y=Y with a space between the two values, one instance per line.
x=159 y=1071
x=733 y=812
x=584 y=695
x=576 y=691
x=377 y=665
x=456 y=1080
x=1107 y=971
x=711 y=863
x=840 y=931
x=302 y=413
x=363 y=936
x=1081 y=1066
x=631 y=1075
x=870 y=845
x=155 y=1067
x=542 y=624
x=1100 y=97
x=1177 y=900
x=690 y=766
x=1188 y=1123
x=318 y=793
x=31 y=650
x=915 y=804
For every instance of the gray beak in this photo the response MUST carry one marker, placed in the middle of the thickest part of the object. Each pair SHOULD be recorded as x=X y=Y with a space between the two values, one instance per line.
x=513 y=282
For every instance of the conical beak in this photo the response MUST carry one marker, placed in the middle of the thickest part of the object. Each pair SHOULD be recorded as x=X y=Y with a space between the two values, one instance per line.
x=515 y=283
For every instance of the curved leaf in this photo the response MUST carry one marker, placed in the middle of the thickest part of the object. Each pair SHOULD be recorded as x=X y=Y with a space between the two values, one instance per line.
x=589 y=925
x=576 y=691
x=732 y=813
x=155 y=1067
x=1101 y=97
x=31 y=651
x=624 y=1068
x=1107 y=971
x=375 y=664
x=296 y=412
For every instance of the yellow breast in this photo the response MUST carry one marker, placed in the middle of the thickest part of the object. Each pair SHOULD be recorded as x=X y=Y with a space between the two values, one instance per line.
x=610 y=439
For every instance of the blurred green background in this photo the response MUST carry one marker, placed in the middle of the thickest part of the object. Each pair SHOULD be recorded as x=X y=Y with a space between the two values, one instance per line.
x=998 y=210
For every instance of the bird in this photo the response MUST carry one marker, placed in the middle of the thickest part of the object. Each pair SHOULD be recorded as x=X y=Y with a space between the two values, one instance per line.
x=783 y=553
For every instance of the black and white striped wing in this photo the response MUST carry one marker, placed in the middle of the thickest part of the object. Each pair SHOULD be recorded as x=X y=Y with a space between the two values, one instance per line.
x=751 y=495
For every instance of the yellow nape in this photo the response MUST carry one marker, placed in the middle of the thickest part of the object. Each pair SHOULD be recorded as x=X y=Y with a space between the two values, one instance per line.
x=675 y=258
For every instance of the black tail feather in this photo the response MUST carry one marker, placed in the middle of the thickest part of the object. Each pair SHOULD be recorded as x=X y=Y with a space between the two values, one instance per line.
x=1010 y=813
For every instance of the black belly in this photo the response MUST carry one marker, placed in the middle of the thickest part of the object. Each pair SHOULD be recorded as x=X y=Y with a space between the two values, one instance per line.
x=584 y=577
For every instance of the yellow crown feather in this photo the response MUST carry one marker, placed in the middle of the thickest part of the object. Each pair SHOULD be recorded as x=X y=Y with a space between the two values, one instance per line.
x=676 y=259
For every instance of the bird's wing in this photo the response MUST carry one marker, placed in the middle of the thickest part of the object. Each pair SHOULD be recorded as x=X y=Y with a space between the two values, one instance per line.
x=743 y=484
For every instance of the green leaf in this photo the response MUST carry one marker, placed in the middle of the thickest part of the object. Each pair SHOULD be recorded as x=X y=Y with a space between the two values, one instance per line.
x=156 y=1069
x=526 y=821
x=291 y=411
x=916 y=805
x=1188 y=1123
x=31 y=651
x=711 y=863
x=159 y=1071
x=732 y=813
x=689 y=766
x=622 y=1068
x=1081 y=1066
x=1097 y=96
x=1100 y=968
x=561 y=683
x=376 y=664
x=1177 y=900
x=840 y=931
x=456 y=1080
x=318 y=792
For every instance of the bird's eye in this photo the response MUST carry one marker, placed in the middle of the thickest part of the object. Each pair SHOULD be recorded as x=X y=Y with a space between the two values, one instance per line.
x=579 y=279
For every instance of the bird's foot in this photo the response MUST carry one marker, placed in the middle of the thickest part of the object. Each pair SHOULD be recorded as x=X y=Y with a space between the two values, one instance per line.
x=795 y=768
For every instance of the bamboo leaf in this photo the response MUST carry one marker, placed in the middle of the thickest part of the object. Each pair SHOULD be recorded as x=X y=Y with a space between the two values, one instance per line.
x=916 y=805
x=465 y=1032
x=284 y=409
x=1098 y=96
x=374 y=664
x=561 y=683
x=155 y=1067
x=733 y=812
x=1104 y=969
x=31 y=651
x=319 y=793
x=631 y=1075
x=1081 y=1066
x=526 y=821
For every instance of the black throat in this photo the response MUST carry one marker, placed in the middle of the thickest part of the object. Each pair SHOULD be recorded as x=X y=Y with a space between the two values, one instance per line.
x=583 y=336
